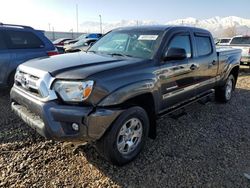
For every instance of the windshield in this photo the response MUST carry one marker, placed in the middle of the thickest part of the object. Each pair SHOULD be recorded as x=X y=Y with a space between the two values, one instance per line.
x=241 y=40
x=83 y=36
x=134 y=43
x=59 y=40
x=80 y=42
x=225 y=40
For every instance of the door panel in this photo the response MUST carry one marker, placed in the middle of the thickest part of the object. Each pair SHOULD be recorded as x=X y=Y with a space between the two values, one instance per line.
x=177 y=77
x=206 y=59
x=5 y=59
x=177 y=82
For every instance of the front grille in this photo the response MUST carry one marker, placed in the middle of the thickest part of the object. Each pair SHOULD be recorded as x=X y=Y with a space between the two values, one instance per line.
x=35 y=83
x=28 y=82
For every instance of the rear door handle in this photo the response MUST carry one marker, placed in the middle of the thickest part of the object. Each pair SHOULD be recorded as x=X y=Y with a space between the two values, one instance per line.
x=194 y=67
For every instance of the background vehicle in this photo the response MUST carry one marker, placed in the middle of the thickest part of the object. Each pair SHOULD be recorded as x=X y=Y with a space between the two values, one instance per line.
x=223 y=41
x=17 y=45
x=60 y=42
x=112 y=95
x=81 y=45
x=84 y=36
x=243 y=43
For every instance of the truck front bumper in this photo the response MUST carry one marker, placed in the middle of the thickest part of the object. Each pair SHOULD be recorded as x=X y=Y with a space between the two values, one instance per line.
x=54 y=121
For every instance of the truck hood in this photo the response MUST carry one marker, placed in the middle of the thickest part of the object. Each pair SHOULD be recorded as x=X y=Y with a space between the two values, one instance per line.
x=79 y=65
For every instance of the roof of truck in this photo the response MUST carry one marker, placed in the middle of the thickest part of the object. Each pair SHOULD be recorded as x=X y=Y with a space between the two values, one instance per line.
x=161 y=27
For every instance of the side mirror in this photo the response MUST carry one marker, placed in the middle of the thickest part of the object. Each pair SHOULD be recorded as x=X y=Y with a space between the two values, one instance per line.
x=89 y=44
x=175 y=54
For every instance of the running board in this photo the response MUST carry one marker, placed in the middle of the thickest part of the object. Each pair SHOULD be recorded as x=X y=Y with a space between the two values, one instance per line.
x=186 y=103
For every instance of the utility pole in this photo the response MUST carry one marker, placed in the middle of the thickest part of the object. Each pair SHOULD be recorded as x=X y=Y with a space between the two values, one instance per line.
x=72 y=33
x=49 y=26
x=100 y=23
x=77 y=18
x=53 y=33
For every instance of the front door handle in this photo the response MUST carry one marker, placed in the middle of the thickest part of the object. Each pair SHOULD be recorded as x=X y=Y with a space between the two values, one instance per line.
x=212 y=64
x=194 y=67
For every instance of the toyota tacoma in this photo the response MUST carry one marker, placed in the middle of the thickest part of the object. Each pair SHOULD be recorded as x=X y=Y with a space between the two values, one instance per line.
x=112 y=95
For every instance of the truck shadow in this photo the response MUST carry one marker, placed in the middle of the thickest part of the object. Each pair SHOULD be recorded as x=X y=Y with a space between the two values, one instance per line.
x=211 y=139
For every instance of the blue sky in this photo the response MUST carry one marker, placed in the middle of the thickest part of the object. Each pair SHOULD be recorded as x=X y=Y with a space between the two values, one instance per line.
x=61 y=14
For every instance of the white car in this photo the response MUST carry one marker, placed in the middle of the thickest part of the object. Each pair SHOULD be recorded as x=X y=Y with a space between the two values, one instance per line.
x=243 y=43
x=223 y=41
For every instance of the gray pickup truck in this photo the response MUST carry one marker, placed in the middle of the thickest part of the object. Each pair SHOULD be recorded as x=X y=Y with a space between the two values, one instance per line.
x=112 y=95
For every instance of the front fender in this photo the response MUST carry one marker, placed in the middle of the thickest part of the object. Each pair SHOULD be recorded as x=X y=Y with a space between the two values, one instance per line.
x=130 y=91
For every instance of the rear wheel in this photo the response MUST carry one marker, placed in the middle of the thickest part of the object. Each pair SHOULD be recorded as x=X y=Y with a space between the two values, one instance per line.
x=224 y=93
x=126 y=138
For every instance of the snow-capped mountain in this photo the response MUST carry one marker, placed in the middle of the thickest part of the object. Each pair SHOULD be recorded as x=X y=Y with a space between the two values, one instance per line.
x=92 y=26
x=219 y=26
x=226 y=26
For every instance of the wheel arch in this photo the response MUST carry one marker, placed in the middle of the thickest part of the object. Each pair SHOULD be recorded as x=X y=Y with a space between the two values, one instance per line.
x=235 y=72
x=146 y=100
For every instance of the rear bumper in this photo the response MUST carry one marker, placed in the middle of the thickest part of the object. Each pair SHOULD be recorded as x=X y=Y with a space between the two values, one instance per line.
x=54 y=121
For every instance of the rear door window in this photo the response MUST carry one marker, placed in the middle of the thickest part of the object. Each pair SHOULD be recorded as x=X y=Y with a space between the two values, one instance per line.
x=2 y=42
x=23 y=40
x=204 y=45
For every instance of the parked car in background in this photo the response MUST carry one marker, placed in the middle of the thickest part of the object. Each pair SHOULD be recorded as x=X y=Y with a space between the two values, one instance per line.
x=81 y=45
x=223 y=41
x=18 y=44
x=60 y=41
x=243 y=43
x=59 y=44
x=84 y=36
x=112 y=95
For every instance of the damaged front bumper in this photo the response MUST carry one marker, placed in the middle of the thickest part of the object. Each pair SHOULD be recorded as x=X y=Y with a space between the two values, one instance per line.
x=54 y=121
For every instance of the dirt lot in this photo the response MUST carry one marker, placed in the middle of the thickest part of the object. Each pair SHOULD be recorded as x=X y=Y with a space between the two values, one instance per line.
x=210 y=146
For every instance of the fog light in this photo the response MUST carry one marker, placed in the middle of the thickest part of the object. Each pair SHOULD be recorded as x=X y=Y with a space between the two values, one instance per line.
x=75 y=126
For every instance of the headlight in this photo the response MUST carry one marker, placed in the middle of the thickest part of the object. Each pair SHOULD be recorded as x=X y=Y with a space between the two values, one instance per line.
x=73 y=91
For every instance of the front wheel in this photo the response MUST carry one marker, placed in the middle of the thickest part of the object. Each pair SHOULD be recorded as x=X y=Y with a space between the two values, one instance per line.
x=224 y=93
x=126 y=138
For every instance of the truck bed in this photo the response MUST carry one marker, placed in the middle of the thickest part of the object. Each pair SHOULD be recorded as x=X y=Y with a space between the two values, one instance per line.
x=224 y=54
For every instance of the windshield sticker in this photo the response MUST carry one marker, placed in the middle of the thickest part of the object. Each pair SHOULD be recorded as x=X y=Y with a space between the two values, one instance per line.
x=148 y=37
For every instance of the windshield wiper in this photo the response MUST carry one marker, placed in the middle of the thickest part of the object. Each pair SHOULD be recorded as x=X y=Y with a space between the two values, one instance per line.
x=119 y=54
x=92 y=51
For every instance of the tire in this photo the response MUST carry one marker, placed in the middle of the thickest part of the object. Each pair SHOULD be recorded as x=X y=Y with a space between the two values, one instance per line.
x=224 y=93
x=134 y=119
x=11 y=79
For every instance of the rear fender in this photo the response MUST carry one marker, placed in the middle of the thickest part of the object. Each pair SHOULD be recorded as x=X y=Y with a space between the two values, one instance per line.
x=231 y=63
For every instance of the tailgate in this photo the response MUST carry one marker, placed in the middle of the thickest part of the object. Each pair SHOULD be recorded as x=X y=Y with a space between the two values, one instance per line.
x=245 y=49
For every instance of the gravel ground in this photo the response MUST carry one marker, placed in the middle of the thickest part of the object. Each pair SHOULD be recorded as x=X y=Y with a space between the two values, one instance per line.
x=208 y=147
